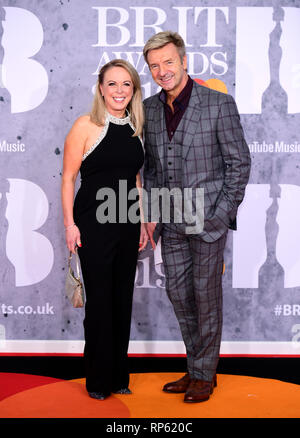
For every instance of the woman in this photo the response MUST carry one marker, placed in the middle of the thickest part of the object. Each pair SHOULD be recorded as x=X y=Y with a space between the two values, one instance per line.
x=105 y=147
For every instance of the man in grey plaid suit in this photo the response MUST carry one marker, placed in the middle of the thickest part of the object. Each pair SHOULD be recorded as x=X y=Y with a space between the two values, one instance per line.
x=193 y=139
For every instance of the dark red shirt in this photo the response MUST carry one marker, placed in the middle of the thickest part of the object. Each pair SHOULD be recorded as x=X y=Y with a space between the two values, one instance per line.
x=179 y=104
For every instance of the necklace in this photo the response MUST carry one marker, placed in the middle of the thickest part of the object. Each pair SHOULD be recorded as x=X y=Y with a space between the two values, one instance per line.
x=117 y=120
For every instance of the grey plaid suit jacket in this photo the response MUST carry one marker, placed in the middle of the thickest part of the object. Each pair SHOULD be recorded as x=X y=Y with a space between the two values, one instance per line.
x=215 y=155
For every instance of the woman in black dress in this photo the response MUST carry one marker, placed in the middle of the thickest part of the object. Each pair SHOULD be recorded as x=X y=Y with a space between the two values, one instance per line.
x=106 y=147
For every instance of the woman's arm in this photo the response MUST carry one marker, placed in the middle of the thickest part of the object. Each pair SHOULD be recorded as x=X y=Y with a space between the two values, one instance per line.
x=73 y=152
x=144 y=234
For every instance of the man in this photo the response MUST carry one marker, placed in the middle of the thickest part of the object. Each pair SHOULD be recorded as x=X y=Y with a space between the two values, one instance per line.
x=193 y=139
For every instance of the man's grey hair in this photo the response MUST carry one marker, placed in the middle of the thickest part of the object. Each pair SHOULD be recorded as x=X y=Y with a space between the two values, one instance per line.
x=161 y=39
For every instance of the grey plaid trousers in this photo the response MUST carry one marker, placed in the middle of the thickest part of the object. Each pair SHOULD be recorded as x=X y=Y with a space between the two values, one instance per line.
x=193 y=270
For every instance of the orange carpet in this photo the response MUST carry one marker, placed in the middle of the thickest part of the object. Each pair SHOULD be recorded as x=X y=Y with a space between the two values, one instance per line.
x=27 y=396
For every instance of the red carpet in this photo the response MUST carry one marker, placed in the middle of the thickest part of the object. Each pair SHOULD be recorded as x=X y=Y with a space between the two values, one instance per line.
x=27 y=396
x=13 y=383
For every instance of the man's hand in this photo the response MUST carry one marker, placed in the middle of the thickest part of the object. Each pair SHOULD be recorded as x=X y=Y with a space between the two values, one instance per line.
x=150 y=230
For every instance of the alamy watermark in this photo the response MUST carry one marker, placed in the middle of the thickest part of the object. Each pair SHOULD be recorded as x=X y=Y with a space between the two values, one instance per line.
x=166 y=205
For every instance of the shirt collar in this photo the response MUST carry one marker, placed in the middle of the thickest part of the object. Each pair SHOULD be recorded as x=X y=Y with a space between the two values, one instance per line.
x=183 y=97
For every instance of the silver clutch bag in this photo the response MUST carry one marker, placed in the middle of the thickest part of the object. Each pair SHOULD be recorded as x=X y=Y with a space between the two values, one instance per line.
x=74 y=287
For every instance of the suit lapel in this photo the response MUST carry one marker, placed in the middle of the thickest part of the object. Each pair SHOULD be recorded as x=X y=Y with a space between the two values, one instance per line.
x=191 y=119
x=159 y=125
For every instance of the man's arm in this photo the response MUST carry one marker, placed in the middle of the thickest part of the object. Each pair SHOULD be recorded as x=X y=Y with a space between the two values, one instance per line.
x=235 y=153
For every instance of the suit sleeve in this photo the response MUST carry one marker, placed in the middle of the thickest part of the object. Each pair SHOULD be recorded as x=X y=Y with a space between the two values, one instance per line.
x=236 y=157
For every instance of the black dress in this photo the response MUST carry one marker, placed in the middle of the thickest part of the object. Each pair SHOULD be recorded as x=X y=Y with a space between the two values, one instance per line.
x=109 y=251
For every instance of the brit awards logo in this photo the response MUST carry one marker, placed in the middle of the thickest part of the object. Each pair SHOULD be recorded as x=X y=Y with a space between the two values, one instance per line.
x=24 y=78
x=27 y=255
x=267 y=59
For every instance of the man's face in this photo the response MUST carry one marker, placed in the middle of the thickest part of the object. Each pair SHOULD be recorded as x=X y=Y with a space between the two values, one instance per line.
x=167 y=69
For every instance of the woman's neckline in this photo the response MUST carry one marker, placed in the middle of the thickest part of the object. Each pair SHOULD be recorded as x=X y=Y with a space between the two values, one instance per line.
x=118 y=120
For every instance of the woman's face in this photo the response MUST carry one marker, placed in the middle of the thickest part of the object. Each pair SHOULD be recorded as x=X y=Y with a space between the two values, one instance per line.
x=117 y=90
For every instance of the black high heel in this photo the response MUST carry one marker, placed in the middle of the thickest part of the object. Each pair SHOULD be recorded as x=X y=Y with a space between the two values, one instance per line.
x=123 y=391
x=97 y=395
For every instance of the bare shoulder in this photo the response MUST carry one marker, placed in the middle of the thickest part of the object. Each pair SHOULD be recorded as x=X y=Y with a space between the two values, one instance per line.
x=82 y=123
x=80 y=128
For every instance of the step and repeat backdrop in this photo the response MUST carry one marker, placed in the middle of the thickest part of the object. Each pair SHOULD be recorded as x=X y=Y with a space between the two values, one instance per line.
x=50 y=53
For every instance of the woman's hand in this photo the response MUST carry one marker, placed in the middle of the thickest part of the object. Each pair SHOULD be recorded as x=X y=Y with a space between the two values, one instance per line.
x=73 y=238
x=143 y=237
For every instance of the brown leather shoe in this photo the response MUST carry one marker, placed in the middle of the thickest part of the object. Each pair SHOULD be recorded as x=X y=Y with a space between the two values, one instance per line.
x=178 y=386
x=199 y=390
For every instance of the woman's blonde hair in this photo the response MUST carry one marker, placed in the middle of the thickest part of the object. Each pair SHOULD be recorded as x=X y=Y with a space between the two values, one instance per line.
x=135 y=106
